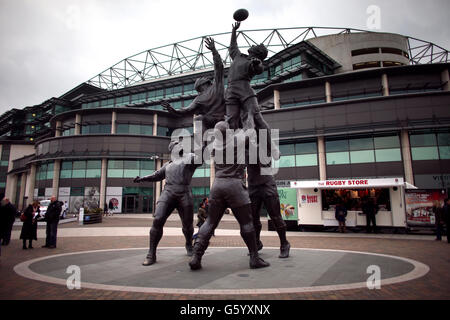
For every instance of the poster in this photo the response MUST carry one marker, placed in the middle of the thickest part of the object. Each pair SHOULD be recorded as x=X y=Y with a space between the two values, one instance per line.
x=91 y=197
x=419 y=206
x=288 y=203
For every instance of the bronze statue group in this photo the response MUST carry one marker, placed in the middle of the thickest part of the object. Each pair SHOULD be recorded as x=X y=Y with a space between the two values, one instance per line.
x=235 y=108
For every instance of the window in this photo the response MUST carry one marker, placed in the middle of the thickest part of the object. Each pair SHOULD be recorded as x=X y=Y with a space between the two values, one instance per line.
x=363 y=150
x=130 y=168
x=302 y=154
x=366 y=65
x=424 y=146
x=360 y=52
x=96 y=128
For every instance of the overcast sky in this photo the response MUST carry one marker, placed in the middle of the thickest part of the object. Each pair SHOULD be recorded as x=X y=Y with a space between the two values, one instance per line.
x=48 y=47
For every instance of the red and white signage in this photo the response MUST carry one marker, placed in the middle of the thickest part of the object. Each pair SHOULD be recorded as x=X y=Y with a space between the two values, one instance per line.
x=348 y=183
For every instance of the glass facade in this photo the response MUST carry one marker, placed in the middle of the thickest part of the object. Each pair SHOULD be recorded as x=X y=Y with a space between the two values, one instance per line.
x=302 y=154
x=130 y=168
x=139 y=129
x=363 y=150
x=430 y=146
x=81 y=169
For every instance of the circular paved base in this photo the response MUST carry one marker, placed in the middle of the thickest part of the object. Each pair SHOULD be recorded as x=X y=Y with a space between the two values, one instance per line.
x=225 y=270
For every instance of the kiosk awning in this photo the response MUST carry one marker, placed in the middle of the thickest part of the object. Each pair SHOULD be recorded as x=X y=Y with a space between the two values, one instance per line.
x=352 y=184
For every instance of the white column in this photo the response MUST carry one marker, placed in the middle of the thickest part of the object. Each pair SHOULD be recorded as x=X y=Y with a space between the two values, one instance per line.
x=113 y=122
x=55 y=184
x=276 y=99
x=212 y=173
x=157 y=183
x=155 y=124
x=103 y=183
x=385 y=84
x=58 y=129
x=23 y=183
x=78 y=124
x=322 y=158
x=407 y=159
x=328 y=92
x=30 y=184
x=445 y=80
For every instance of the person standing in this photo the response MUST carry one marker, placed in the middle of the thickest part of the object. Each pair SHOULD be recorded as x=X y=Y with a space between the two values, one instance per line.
x=52 y=219
x=370 y=209
x=341 y=215
x=7 y=216
x=29 y=227
x=439 y=221
x=446 y=216
x=202 y=215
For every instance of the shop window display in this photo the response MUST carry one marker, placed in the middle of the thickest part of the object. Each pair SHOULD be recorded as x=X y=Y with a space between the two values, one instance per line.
x=353 y=199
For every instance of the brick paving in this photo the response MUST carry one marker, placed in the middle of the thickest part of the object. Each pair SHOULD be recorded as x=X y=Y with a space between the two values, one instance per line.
x=434 y=285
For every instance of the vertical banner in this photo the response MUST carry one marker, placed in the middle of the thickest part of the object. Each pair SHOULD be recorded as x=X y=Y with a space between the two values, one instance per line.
x=419 y=206
x=288 y=203
x=114 y=199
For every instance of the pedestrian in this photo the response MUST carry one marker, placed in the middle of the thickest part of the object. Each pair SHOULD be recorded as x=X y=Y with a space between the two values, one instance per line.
x=439 y=221
x=111 y=208
x=105 y=210
x=52 y=219
x=370 y=209
x=29 y=227
x=7 y=217
x=446 y=216
x=201 y=215
x=340 y=215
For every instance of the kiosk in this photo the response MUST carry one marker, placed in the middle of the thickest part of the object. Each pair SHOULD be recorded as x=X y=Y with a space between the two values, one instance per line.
x=317 y=201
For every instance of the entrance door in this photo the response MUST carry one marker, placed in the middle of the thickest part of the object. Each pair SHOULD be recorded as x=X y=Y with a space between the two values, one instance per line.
x=130 y=204
x=147 y=203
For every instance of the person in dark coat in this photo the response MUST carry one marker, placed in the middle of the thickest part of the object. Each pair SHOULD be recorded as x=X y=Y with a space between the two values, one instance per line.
x=370 y=209
x=52 y=219
x=341 y=214
x=439 y=221
x=446 y=216
x=7 y=217
x=29 y=227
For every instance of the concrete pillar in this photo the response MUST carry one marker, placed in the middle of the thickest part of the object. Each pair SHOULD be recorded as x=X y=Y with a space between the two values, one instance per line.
x=276 y=99
x=23 y=183
x=11 y=187
x=407 y=159
x=328 y=92
x=58 y=129
x=55 y=184
x=385 y=84
x=29 y=193
x=155 y=124
x=212 y=174
x=113 y=122
x=322 y=158
x=78 y=124
x=103 y=183
x=445 y=79
x=157 y=183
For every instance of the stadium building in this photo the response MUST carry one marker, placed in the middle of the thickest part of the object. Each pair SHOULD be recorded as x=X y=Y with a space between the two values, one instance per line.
x=350 y=105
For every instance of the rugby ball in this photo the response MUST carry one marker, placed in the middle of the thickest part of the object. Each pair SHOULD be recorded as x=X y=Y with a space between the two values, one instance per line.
x=240 y=15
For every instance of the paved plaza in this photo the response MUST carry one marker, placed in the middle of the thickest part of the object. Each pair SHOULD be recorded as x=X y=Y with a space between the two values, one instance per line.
x=321 y=266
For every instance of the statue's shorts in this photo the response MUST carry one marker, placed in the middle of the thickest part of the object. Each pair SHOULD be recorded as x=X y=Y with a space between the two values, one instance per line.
x=229 y=193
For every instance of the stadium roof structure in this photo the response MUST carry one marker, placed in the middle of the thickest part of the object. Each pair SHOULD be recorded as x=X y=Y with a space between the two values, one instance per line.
x=191 y=55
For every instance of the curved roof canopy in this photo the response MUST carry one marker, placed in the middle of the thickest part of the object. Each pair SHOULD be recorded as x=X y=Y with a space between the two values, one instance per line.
x=191 y=55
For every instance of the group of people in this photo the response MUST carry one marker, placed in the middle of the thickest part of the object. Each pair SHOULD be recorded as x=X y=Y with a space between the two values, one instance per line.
x=30 y=217
x=219 y=109
x=369 y=209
